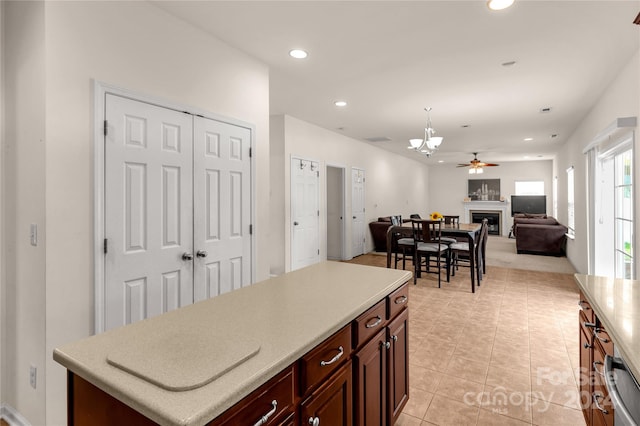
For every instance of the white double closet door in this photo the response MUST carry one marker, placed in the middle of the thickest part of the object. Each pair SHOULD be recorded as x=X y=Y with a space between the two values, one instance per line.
x=177 y=209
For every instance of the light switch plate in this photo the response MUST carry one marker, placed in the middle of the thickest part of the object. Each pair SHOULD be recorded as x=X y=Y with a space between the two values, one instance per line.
x=34 y=234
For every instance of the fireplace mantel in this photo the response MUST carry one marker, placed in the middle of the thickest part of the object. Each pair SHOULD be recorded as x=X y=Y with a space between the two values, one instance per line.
x=500 y=206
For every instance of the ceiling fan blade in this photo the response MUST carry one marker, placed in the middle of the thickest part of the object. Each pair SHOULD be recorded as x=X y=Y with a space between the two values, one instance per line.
x=490 y=164
x=463 y=165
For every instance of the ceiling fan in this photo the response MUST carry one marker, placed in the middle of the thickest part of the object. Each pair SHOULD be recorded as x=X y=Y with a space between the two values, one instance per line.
x=475 y=165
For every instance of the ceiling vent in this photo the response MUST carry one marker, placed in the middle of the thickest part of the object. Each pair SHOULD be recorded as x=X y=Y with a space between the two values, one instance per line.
x=545 y=110
x=378 y=139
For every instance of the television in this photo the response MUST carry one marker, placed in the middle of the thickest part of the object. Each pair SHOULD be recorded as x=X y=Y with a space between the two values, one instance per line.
x=534 y=204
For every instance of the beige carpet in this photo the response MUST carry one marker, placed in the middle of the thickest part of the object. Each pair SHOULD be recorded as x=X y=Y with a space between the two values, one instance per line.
x=501 y=251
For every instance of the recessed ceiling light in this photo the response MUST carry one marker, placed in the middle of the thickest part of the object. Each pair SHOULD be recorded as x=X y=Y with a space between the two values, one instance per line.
x=298 y=53
x=526 y=156
x=340 y=103
x=528 y=139
x=499 y=4
x=440 y=161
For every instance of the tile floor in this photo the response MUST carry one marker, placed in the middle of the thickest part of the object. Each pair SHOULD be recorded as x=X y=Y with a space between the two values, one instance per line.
x=506 y=355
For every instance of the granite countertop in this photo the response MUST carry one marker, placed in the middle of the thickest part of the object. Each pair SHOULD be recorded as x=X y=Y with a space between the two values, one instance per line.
x=240 y=339
x=616 y=303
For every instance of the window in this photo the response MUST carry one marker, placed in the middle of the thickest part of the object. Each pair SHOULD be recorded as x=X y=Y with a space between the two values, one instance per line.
x=571 y=220
x=623 y=215
x=534 y=187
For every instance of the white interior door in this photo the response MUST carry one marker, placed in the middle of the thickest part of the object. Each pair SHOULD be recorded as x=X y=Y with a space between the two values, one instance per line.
x=148 y=210
x=357 y=212
x=305 y=213
x=222 y=207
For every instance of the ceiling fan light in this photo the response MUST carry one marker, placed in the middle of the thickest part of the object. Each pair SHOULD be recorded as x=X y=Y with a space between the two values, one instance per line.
x=479 y=170
x=472 y=171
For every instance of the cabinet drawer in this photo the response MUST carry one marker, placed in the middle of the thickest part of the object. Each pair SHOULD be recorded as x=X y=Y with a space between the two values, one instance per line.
x=369 y=323
x=273 y=400
x=397 y=301
x=325 y=358
x=586 y=308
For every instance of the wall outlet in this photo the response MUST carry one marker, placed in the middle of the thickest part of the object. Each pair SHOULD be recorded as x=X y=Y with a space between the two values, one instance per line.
x=32 y=375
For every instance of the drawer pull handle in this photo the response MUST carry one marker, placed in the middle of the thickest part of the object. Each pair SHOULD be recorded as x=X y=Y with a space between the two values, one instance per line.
x=395 y=338
x=375 y=323
x=595 y=368
x=596 y=397
x=400 y=300
x=587 y=346
x=314 y=421
x=581 y=304
x=335 y=358
x=602 y=339
x=387 y=345
x=589 y=324
x=264 y=419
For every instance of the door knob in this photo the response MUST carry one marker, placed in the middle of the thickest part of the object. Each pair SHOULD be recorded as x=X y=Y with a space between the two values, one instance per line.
x=202 y=253
x=187 y=256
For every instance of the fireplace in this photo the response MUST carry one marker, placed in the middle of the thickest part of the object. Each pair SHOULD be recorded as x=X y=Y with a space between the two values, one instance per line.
x=494 y=220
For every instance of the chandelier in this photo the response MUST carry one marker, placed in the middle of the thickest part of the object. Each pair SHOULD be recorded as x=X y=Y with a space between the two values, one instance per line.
x=430 y=143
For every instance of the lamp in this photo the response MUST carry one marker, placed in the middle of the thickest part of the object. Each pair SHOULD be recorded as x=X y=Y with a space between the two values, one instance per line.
x=430 y=143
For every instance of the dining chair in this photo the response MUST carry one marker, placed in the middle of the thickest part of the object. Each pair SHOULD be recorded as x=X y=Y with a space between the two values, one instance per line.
x=402 y=246
x=461 y=253
x=414 y=216
x=451 y=221
x=428 y=245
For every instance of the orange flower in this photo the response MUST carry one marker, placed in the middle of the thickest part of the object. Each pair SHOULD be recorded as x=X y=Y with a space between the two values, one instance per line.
x=436 y=216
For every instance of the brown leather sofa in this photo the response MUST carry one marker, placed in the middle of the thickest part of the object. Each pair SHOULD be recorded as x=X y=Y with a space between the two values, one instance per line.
x=539 y=234
x=379 y=232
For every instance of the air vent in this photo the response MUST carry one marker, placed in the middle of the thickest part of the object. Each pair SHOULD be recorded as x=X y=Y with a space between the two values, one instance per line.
x=378 y=139
x=545 y=110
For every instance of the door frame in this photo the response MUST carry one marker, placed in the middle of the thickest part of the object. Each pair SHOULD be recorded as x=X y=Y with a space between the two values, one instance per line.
x=100 y=90
x=343 y=232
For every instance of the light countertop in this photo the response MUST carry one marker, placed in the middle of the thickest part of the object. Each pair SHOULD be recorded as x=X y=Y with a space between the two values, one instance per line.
x=269 y=324
x=616 y=302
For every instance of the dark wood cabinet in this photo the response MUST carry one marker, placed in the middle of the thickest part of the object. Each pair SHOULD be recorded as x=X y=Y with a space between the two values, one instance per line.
x=332 y=402
x=271 y=403
x=398 y=372
x=595 y=343
x=371 y=381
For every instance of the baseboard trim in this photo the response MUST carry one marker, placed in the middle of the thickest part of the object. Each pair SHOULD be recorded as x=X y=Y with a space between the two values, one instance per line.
x=12 y=416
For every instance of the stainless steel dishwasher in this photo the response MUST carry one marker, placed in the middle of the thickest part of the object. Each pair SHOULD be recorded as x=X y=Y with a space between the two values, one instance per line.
x=624 y=391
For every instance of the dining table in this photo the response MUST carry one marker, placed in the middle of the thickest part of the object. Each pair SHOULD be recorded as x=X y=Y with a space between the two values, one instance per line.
x=470 y=231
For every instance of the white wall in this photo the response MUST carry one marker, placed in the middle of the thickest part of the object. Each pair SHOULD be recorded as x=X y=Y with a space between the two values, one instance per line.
x=23 y=283
x=448 y=183
x=394 y=184
x=620 y=99
x=54 y=50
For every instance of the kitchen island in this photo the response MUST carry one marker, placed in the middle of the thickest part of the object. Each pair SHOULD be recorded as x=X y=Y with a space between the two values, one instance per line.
x=189 y=366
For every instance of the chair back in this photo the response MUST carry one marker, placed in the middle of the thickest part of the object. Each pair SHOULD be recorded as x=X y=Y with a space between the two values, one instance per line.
x=428 y=231
x=396 y=220
x=482 y=239
x=452 y=220
x=415 y=216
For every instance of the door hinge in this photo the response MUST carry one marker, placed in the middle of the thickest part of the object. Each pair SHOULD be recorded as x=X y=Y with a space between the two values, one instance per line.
x=251 y=229
x=104 y=246
x=318 y=251
x=318 y=213
x=318 y=173
x=106 y=127
x=250 y=152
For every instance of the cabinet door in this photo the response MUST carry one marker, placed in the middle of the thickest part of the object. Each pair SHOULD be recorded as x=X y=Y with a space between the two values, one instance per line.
x=585 y=380
x=332 y=403
x=371 y=382
x=398 y=372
